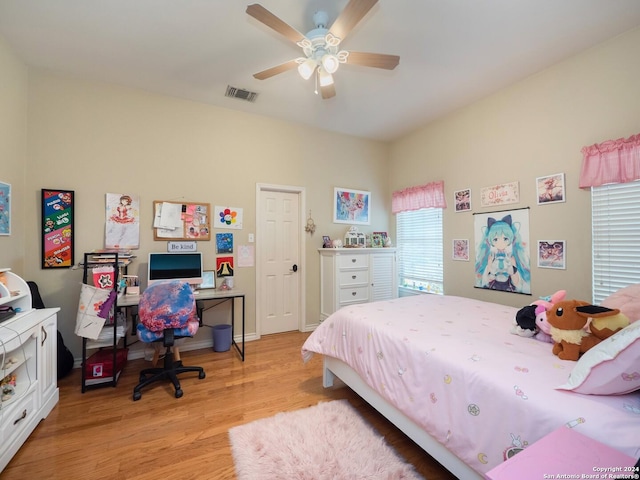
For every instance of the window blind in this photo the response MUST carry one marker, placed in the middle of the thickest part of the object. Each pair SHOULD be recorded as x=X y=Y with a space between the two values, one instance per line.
x=615 y=223
x=419 y=243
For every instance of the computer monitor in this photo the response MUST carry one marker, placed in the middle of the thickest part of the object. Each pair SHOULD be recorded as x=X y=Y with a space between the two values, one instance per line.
x=175 y=266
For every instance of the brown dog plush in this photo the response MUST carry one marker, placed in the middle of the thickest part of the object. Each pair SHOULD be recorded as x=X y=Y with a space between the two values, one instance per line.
x=568 y=320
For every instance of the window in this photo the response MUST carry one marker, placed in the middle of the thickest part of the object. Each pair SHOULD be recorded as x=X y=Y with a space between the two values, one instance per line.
x=419 y=242
x=615 y=225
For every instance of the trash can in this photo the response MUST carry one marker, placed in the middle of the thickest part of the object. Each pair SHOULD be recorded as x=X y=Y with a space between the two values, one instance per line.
x=221 y=338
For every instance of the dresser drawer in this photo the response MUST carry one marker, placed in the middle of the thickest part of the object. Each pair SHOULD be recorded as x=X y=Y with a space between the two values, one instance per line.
x=354 y=294
x=353 y=277
x=353 y=261
x=15 y=420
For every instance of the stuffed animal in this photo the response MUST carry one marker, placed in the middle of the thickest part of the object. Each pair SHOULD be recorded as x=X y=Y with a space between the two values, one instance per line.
x=568 y=320
x=549 y=300
x=605 y=326
x=525 y=322
x=544 y=329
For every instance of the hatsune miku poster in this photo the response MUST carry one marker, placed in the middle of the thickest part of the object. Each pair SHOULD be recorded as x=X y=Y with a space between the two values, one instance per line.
x=502 y=251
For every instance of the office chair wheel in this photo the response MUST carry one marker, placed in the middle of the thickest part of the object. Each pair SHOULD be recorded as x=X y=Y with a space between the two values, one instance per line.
x=179 y=392
x=201 y=375
x=137 y=396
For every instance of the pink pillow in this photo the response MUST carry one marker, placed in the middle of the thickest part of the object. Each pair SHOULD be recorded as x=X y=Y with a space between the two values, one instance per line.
x=627 y=299
x=610 y=368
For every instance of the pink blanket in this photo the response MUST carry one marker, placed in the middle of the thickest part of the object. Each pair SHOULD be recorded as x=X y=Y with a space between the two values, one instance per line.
x=452 y=365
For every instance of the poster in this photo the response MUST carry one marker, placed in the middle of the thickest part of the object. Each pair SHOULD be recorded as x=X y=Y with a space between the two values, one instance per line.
x=502 y=251
x=57 y=228
x=122 y=229
x=5 y=208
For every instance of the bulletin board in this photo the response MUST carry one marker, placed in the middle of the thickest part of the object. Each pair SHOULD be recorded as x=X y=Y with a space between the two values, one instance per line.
x=181 y=220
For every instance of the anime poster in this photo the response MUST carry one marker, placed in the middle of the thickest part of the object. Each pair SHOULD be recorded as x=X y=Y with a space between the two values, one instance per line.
x=5 y=208
x=122 y=228
x=351 y=206
x=502 y=251
x=57 y=228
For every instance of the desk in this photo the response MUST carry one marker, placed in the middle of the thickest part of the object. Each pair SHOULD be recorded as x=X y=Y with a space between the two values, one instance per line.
x=201 y=297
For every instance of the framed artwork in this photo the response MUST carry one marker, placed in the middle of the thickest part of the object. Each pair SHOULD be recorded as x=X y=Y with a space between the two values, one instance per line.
x=351 y=206
x=377 y=241
x=228 y=217
x=462 y=200
x=550 y=189
x=552 y=254
x=501 y=194
x=5 y=208
x=461 y=249
x=57 y=228
x=224 y=267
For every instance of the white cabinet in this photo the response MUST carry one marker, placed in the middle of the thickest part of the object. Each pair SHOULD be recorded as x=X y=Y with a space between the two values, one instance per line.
x=28 y=365
x=356 y=275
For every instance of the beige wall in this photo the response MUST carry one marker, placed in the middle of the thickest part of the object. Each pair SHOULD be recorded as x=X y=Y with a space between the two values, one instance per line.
x=13 y=148
x=534 y=128
x=96 y=139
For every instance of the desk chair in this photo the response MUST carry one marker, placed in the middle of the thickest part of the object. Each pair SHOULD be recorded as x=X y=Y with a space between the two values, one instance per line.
x=167 y=312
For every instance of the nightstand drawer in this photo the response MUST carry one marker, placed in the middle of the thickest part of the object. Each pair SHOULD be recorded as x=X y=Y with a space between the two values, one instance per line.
x=354 y=277
x=353 y=261
x=354 y=294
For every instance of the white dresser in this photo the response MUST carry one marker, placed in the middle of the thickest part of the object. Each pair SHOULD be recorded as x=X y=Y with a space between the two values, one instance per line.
x=356 y=275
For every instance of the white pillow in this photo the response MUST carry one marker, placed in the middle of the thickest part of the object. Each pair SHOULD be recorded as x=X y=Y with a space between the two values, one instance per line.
x=610 y=368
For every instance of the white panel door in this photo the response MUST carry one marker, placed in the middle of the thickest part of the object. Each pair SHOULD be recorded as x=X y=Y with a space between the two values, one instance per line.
x=280 y=259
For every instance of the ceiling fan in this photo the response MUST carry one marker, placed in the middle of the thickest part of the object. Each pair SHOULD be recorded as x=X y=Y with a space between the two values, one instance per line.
x=321 y=46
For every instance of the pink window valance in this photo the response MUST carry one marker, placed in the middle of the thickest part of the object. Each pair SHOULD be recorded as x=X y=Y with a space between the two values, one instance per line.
x=613 y=161
x=430 y=195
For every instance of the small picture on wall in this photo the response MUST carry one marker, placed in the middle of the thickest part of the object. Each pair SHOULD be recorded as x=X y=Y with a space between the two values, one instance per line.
x=461 y=249
x=462 y=200
x=550 y=189
x=552 y=254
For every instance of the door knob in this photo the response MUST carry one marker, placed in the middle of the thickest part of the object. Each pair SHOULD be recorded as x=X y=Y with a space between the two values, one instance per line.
x=294 y=268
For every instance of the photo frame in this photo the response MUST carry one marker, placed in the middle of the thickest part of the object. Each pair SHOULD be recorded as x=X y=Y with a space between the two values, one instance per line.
x=550 y=189
x=462 y=200
x=208 y=279
x=377 y=241
x=5 y=208
x=57 y=228
x=460 y=250
x=351 y=206
x=326 y=241
x=552 y=254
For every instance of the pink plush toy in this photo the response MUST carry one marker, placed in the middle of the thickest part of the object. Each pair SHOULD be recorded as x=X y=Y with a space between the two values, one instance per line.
x=543 y=305
x=544 y=329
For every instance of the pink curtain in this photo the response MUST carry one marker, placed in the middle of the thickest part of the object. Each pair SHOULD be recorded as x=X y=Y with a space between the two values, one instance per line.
x=613 y=161
x=422 y=196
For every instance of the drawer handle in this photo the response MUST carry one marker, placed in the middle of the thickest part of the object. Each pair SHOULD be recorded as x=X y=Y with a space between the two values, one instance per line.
x=24 y=415
x=353 y=260
x=353 y=277
x=354 y=293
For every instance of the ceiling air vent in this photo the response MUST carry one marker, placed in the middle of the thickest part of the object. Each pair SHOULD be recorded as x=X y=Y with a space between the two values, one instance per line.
x=240 y=93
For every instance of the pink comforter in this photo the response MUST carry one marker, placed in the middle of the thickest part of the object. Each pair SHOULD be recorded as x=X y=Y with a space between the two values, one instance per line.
x=452 y=365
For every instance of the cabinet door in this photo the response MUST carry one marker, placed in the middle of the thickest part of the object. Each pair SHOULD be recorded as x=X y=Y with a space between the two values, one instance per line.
x=384 y=284
x=48 y=345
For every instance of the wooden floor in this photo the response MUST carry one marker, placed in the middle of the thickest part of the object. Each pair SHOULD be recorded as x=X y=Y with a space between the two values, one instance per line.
x=104 y=434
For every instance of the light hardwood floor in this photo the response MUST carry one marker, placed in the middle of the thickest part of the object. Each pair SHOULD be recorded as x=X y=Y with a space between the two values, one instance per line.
x=104 y=434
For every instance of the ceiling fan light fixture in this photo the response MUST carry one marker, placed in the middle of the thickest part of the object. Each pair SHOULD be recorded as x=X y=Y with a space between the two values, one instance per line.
x=306 y=68
x=324 y=77
x=330 y=63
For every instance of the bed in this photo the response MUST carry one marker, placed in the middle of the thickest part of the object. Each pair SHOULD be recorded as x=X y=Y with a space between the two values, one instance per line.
x=448 y=372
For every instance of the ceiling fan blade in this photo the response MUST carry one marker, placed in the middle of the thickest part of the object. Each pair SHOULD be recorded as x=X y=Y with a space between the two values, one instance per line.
x=328 y=91
x=350 y=16
x=270 y=72
x=376 y=60
x=270 y=20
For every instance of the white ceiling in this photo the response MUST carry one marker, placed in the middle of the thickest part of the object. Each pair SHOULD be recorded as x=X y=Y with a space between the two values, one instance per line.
x=452 y=52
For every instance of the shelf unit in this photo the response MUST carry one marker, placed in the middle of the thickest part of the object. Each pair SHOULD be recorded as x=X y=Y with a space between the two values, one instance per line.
x=110 y=348
x=28 y=365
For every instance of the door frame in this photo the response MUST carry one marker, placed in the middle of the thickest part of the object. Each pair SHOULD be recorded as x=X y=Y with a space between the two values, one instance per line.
x=301 y=192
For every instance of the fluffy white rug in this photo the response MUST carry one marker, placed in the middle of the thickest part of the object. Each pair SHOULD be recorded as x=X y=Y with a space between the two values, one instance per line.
x=327 y=441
